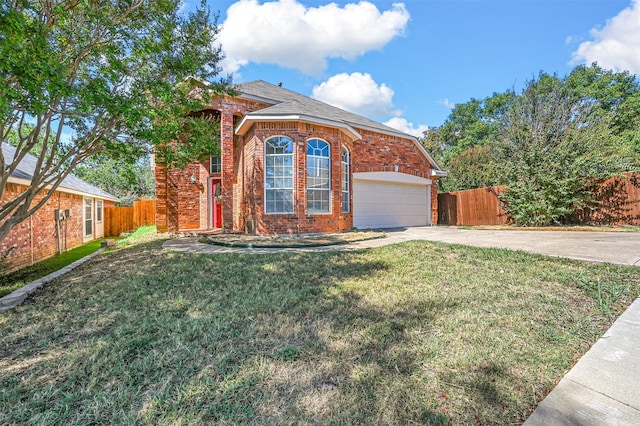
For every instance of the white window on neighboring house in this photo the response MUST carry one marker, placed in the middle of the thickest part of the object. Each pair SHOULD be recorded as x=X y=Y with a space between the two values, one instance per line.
x=98 y=211
x=278 y=175
x=88 y=218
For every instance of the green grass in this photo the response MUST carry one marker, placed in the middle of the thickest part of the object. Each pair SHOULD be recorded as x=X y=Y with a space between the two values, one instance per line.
x=140 y=235
x=417 y=332
x=14 y=280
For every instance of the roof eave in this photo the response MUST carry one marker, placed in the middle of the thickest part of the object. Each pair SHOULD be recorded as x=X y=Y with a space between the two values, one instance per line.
x=257 y=98
x=249 y=120
x=27 y=182
x=437 y=172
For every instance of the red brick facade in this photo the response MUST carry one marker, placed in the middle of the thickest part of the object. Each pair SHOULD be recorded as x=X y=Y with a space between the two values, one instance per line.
x=182 y=205
x=39 y=237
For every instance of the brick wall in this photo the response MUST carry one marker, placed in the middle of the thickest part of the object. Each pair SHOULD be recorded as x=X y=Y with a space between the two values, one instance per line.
x=434 y=203
x=162 y=216
x=228 y=174
x=249 y=192
x=378 y=153
x=36 y=238
x=300 y=221
x=190 y=198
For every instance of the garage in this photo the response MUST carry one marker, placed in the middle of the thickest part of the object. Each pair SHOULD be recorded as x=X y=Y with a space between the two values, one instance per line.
x=390 y=200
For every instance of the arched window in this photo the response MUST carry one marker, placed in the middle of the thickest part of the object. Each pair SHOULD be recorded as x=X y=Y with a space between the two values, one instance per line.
x=318 y=176
x=278 y=175
x=345 y=180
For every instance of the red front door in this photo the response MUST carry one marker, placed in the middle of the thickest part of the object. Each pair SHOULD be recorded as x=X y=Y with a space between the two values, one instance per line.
x=216 y=203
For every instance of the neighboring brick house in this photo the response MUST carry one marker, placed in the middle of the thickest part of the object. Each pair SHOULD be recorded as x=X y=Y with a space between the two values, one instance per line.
x=72 y=216
x=292 y=164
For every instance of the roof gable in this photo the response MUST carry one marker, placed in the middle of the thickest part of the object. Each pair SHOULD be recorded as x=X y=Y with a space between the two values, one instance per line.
x=312 y=107
x=27 y=167
x=289 y=103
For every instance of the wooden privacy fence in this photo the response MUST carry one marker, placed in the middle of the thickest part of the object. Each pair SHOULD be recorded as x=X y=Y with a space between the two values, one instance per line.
x=618 y=203
x=471 y=207
x=122 y=219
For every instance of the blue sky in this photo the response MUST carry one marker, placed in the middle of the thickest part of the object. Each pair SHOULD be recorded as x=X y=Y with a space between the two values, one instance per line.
x=407 y=63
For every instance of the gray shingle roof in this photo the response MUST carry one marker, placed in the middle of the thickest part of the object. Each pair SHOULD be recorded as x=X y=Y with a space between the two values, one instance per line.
x=289 y=102
x=28 y=164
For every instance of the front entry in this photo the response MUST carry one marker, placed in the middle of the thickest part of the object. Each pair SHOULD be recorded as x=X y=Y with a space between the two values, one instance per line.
x=216 y=203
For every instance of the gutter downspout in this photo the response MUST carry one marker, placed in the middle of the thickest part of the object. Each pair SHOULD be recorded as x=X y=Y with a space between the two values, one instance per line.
x=57 y=219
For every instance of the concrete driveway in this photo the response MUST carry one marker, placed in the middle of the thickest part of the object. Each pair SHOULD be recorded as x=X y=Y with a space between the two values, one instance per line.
x=622 y=248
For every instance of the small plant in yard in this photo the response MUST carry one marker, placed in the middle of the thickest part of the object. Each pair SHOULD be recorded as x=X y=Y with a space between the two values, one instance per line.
x=289 y=352
x=418 y=332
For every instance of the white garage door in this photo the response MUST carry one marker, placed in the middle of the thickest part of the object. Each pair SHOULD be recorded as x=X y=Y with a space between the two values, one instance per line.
x=390 y=205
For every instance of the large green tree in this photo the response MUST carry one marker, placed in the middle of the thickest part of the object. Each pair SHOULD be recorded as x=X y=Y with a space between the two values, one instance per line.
x=458 y=142
x=127 y=177
x=82 y=77
x=552 y=145
x=465 y=143
x=546 y=143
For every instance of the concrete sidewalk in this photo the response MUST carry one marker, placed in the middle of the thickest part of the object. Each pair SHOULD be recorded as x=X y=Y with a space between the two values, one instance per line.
x=603 y=388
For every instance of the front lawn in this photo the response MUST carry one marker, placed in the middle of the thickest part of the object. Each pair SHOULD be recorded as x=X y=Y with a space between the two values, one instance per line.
x=416 y=332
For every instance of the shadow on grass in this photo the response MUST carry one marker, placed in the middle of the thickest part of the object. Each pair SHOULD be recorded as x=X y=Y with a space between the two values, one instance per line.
x=143 y=335
x=172 y=337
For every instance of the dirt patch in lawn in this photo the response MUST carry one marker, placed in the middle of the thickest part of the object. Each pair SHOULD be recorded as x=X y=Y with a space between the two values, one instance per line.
x=287 y=241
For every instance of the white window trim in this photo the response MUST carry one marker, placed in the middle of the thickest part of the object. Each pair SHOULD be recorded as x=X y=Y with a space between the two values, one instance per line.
x=264 y=175
x=348 y=178
x=306 y=189
x=211 y=172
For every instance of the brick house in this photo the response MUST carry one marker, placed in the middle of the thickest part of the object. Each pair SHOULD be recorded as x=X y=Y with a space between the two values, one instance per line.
x=72 y=216
x=292 y=164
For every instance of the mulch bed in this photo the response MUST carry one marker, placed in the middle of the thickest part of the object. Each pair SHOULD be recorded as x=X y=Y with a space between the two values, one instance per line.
x=289 y=241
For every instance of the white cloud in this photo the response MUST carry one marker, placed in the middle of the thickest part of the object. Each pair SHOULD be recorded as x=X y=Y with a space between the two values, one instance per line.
x=361 y=94
x=447 y=103
x=616 y=46
x=406 y=126
x=289 y=34
x=358 y=93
